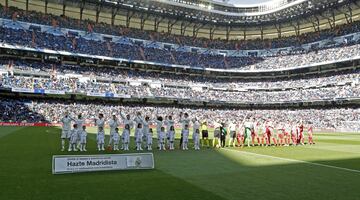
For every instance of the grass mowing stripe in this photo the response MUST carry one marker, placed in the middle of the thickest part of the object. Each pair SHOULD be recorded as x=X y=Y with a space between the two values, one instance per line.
x=348 y=149
x=6 y=130
x=294 y=160
x=339 y=141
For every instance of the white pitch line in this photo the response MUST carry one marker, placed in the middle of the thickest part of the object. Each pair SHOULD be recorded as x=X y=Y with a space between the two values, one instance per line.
x=294 y=160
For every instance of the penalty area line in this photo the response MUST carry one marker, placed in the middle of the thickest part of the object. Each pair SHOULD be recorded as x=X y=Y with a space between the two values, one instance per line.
x=294 y=160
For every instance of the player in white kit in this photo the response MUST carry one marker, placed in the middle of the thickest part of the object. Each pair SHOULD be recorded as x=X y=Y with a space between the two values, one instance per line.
x=232 y=128
x=138 y=120
x=127 y=120
x=138 y=137
x=171 y=135
x=159 y=123
x=73 y=138
x=126 y=137
x=113 y=123
x=83 y=138
x=196 y=138
x=196 y=126
x=169 y=122
x=66 y=130
x=115 y=139
x=100 y=139
x=185 y=135
x=100 y=123
x=185 y=121
x=145 y=129
x=149 y=139
x=162 y=137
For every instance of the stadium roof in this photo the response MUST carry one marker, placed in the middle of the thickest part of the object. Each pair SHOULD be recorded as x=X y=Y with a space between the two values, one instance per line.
x=244 y=2
x=219 y=12
x=199 y=21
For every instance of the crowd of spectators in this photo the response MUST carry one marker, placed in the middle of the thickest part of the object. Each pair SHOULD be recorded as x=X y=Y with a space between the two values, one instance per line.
x=112 y=49
x=101 y=27
x=125 y=75
x=134 y=51
x=260 y=96
x=25 y=110
x=321 y=89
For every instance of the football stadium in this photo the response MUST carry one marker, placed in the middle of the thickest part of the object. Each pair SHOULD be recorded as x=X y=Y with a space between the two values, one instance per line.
x=180 y=99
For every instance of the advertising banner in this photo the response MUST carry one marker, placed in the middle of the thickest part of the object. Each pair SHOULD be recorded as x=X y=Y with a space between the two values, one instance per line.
x=25 y=90
x=62 y=164
x=95 y=94
x=54 y=92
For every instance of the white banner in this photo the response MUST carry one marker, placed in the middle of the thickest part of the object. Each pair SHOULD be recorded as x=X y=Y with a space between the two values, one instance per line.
x=54 y=92
x=87 y=163
x=27 y=90
x=96 y=94
x=124 y=96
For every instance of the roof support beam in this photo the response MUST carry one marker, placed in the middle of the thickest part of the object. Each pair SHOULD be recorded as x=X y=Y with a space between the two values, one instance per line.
x=82 y=4
x=331 y=20
x=296 y=28
x=170 y=25
x=27 y=6
x=244 y=33
x=143 y=19
x=129 y=15
x=183 y=27
x=64 y=8
x=114 y=12
x=46 y=6
x=211 y=32
x=278 y=28
x=228 y=30
x=157 y=23
x=98 y=9
x=316 y=24
x=196 y=29
x=349 y=15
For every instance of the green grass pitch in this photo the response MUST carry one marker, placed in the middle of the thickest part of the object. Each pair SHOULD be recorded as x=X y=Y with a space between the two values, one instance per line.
x=328 y=170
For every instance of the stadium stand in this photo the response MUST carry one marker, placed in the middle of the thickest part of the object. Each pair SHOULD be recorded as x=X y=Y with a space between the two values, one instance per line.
x=60 y=36
x=118 y=30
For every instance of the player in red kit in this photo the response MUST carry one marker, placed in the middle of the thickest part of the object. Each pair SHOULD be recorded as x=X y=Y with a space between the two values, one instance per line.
x=240 y=135
x=262 y=134
x=310 y=134
x=281 y=134
x=268 y=131
x=294 y=133
x=300 y=139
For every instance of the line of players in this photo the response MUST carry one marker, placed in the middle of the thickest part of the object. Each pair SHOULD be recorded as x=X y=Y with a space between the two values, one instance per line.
x=77 y=137
x=279 y=134
x=267 y=133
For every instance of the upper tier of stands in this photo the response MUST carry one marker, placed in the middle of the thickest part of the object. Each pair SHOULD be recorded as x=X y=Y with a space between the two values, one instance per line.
x=87 y=25
x=55 y=39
